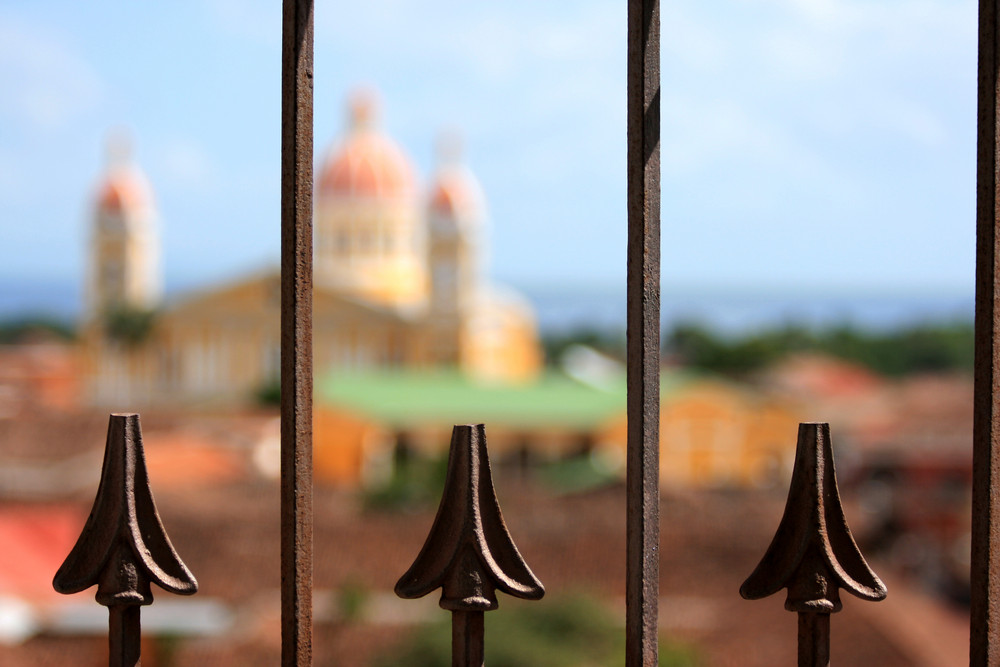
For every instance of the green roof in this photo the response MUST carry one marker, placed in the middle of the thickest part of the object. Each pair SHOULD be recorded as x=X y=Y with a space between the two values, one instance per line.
x=406 y=398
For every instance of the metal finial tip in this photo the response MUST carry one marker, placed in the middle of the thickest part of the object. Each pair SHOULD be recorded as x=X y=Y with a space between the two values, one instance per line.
x=123 y=546
x=469 y=553
x=813 y=553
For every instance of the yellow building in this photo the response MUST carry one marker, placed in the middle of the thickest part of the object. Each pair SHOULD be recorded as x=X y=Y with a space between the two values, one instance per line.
x=397 y=277
x=713 y=433
x=716 y=434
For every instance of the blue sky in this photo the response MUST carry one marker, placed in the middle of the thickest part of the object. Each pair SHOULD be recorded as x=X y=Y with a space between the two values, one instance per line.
x=806 y=143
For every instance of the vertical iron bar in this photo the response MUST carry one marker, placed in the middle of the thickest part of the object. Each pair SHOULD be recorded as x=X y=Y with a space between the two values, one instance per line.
x=985 y=571
x=467 y=639
x=814 y=639
x=296 y=332
x=124 y=636
x=643 y=513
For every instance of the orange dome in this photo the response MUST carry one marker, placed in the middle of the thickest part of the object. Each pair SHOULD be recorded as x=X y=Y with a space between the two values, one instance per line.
x=456 y=193
x=124 y=189
x=368 y=163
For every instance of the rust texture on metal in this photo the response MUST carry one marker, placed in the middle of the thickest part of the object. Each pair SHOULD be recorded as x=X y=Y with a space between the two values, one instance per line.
x=813 y=554
x=643 y=468
x=984 y=648
x=123 y=546
x=814 y=640
x=296 y=332
x=469 y=554
x=468 y=633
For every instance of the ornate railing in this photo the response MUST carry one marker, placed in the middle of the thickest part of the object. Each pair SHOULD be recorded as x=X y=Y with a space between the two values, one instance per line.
x=469 y=553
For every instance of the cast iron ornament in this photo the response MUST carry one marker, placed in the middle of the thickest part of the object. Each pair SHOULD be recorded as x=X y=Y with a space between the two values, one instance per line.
x=469 y=554
x=813 y=553
x=123 y=546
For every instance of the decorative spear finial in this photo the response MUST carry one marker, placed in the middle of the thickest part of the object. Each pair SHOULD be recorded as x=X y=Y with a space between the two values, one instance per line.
x=123 y=546
x=468 y=553
x=813 y=553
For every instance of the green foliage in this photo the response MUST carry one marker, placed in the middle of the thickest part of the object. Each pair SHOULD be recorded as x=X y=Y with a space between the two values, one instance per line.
x=925 y=348
x=129 y=325
x=352 y=601
x=22 y=329
x=940 y=347
x=572 y=631
x=611 y=343
x=166 y=649
x=269 y=393
x=576 y=474
x=415 y=482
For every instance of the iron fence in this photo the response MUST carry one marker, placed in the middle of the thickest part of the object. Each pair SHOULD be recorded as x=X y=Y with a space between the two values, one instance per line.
x=469 y=553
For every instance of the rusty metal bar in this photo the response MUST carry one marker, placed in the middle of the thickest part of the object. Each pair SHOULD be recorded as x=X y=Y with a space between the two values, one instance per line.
x=814 y=640
x=296 y=332
x=984 y=648
x=468 y=638
x=469 y=554
x=124 y=635
x=123 y=547
x=643 y=466
x=813 y=553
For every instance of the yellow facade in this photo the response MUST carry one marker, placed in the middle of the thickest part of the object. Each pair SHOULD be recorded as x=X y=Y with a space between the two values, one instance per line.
x=716 y=434
x=372 y=248
x=397 y=282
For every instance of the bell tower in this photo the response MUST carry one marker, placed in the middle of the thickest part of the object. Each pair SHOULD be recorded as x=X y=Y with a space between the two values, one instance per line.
x=123 y=267
x=455 y=218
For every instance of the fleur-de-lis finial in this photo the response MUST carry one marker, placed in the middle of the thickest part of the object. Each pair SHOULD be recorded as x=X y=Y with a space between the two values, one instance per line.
x=468 y=553
x=813 y=553
x=123 y=546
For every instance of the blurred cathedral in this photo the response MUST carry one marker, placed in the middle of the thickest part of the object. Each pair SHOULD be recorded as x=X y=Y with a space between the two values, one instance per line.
x=398 y=282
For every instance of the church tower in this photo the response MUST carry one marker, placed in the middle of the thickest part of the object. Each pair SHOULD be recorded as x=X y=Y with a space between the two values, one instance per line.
x=455 y=217
x=123 y=271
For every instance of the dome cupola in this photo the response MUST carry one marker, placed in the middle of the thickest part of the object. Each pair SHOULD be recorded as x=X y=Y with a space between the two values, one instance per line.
x=369 y=229
x=367 y=163
x=123 y=189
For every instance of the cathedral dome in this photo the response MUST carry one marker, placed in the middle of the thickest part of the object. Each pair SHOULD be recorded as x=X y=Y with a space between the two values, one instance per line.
x=368 y=164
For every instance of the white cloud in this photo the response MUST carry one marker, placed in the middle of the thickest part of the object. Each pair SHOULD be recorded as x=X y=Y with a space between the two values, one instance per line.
x=702 y=132
x=910 y=120
x=690 y=42
x=185 y=164
x=498 y=41
x=862 y=35
x=824 y=69
x=46 y=84
x=255 y=20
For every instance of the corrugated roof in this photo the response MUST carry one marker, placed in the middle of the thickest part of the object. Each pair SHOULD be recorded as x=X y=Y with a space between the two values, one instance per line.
x=407 y=398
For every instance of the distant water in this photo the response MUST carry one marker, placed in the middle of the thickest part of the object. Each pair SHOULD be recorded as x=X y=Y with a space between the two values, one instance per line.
x=739 y=312
x=24 y=298
x=564 y=309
